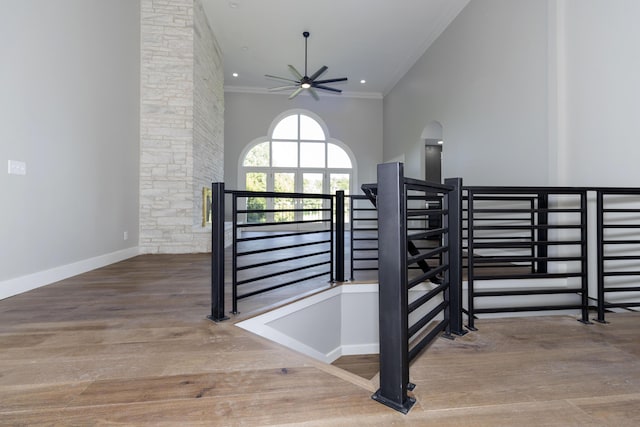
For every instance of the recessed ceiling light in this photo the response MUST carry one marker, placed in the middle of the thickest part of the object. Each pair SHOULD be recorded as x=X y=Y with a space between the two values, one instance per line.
x=363 y=81
x=235 y=74
x=233 y=5
x=440 y=142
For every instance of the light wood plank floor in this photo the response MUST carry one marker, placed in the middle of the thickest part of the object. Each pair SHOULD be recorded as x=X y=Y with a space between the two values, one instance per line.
x=130 y=344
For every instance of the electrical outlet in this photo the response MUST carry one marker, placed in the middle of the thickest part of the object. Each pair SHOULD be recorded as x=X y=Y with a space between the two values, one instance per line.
x=126 y=235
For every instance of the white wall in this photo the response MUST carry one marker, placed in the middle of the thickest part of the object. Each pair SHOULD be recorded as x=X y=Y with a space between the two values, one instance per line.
x=528 y=93
x=69 y=103
x=357 y=122
x=601 y=92
x=484 y=80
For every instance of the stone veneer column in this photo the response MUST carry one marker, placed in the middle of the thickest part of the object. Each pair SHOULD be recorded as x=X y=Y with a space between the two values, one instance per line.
x=181 y=124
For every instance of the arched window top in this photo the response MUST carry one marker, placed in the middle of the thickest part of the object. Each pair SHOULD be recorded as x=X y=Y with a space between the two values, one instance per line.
x=297 y=141
x=298 y=127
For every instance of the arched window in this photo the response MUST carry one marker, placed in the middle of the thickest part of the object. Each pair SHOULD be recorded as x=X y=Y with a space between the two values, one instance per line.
x=297 y=157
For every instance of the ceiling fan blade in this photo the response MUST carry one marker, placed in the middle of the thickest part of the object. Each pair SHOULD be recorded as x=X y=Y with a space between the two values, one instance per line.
x=314 y=94
x=319 y=72
x=340 y=79
x=327 y=88
x=295 y=72
x=275 y=89
x=280 y=78
x=295 y=93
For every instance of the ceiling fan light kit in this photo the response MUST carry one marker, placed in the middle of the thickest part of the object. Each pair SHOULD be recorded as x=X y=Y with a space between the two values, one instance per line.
x=304 y=82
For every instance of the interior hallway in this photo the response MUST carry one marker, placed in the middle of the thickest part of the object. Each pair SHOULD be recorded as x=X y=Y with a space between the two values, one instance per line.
x=130 y=344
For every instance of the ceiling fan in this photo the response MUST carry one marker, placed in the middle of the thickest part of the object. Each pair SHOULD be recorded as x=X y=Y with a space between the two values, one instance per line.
x=304 y=81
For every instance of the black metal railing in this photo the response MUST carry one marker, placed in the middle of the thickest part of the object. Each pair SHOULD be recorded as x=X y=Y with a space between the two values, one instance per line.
x=520 y=233
x=363 y=238
x=415 y=306
x=618 y=245
x=267 y=228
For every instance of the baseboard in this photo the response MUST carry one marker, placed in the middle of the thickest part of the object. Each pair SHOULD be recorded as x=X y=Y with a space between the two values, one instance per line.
x=28 y=282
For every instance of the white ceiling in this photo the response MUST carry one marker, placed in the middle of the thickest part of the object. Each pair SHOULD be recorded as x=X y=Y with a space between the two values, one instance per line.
x=374 y=40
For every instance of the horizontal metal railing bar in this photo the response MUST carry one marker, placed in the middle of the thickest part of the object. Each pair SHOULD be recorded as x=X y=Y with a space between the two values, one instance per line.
x=621 y=273
x=435 y=251
x=426 y=276
x=621 y=304
x=495 y=219
x=501 y=258
x=489 y=245
x=526 y=191
x=476 y=196
x=621 y=242
x=281 y=260
x=528 y=308
x=621 y=257
x=365 y=249
x=623 y=289
x=251 y=211
x=282 y=285
x=281 y=273
x=278 y=195
x=418 y=185
x=505 y=293
x=277 y=236
x=617 y=226
x=424 y=320
x=417 y=348
x=526 y=210
x=354 y=229
x=429 y=233
x=280 y=248
x=364 y=239
x=617 y=190
x=621 y=210
x=365 y=269
x=426 y=212
x=366 y=259
x=427 y=297
x=267 y=224
x=528 y=227
x=527 y=276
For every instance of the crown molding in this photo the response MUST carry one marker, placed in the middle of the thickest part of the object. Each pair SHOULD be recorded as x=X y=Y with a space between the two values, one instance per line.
x=263 y=91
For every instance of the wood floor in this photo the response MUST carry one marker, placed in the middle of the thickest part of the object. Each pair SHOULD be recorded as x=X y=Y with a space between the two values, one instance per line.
x=130 y=344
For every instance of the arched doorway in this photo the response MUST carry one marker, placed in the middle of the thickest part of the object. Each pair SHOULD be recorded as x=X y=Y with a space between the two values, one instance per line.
x=432 y=140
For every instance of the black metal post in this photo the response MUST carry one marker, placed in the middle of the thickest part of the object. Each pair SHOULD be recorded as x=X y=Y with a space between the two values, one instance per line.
x=543 y=233
x=470 y=261
x=340 y=228
x=584 y=266
x=453 y=239
x=234 y=254
x=217 y=252
x=393 y=294
x=600 y=248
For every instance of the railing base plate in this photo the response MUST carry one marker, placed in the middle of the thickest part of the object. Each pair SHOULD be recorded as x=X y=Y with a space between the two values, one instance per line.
x=405 y=407
x=217 y=320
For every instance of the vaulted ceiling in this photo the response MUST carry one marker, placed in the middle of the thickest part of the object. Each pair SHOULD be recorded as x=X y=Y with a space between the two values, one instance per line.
x=373 y=40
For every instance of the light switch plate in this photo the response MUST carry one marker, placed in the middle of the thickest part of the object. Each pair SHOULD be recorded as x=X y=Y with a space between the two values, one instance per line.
x=16 y=167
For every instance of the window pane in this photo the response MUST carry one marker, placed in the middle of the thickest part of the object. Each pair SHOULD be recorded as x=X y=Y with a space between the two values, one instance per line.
x=338 y=158
x=312 y=183
x=340 y=181
x=256 y=181
x=287 y=128
x=312 y=155
x=258 y=155
x=285 y=154
x=310 y=129
x=283 y=183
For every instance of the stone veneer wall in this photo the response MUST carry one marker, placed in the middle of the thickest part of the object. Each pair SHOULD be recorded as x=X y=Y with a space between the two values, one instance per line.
x=172 y=135
x=208 y=123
